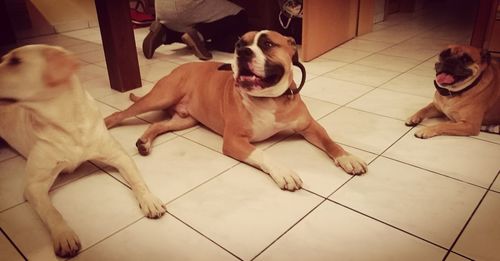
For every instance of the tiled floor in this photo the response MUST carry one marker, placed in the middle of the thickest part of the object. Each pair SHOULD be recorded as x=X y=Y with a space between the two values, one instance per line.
x=420 y=200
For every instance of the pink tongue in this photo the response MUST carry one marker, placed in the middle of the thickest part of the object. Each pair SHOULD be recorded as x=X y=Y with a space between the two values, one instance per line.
x=444 y=78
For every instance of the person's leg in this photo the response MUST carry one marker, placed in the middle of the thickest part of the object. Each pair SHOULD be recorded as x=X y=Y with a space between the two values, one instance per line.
x=158 y=34
x=225 y=32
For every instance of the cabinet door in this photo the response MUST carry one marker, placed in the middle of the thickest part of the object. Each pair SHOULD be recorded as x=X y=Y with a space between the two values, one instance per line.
x=327 y=24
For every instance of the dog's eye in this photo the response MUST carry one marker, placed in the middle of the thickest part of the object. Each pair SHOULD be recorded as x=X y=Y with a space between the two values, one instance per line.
x=14 y=61
x=269 y=44
x=466 y=59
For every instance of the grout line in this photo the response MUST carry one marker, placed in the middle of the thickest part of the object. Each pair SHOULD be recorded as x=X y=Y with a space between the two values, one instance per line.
x=288 y=229
x=387 y=224
x=13 y=244
x=199 y=232
x=470 y=218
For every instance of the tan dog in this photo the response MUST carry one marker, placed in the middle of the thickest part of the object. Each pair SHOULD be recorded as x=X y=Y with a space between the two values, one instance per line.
x=467 y=93
x=253 y=104
x=47 y=117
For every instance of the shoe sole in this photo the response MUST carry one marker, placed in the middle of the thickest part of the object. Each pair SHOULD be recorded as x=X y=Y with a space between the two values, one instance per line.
x=152 y=40
x=191 y=42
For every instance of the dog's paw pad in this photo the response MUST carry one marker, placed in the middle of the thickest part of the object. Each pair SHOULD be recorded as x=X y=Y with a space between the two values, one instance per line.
x=151 y=206
x=287 y=180
x=66 y=243
x=425 y=133
x=413 y=121
x=352 y=164
x=144 y=148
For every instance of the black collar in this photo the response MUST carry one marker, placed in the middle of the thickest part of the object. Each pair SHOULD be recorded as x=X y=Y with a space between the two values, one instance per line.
x=445 y=92
x=294 y=91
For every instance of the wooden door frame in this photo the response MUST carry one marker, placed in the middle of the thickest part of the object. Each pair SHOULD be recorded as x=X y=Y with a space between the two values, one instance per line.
x=483 y=22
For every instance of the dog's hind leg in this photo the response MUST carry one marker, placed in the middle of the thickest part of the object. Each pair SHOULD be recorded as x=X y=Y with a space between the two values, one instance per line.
x=112 y=154
x=175 y=123
x=162 y=96
x=41 y=174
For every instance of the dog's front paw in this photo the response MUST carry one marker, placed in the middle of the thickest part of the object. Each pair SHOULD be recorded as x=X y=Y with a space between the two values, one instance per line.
x=66 y=242
x=413 y=121
x=286 y=179
x=425 y=133
x=351 y=164
x=151 y=206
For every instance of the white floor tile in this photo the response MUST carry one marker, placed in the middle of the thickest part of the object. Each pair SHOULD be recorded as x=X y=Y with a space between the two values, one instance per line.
x=420 y=202
x=179 y=165
x=8 y=251
x=366 y=45
x=412 y=84
x=388 y=62
x=95 y=207
x=481 y=237
x=455 y=257
x=333 y=90
x=321 y=65
x=363 y=130
x=496 y=185
x=388 y=103
x=334 y=232
x=12 y=180
x=155 y=71
x=363 y=75
x=318 y=108
x=463 y=158
x=163 y=239
x=345 y=55
x=316 y=169
x=416 y=53
x=255 y=211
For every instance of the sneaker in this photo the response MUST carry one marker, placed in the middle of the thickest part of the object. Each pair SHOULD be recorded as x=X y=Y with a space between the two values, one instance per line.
x=154 y=39
x=193 y=39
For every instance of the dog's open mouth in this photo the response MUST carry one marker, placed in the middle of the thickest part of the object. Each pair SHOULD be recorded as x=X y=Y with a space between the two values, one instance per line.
x=249 y=80
x=445 y=78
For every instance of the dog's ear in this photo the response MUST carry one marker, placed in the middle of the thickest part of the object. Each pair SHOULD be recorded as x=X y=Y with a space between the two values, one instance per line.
x=60 y=66
x=485 y=57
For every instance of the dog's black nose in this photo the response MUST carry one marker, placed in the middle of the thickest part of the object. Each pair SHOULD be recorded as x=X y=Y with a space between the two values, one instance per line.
x=244 y=52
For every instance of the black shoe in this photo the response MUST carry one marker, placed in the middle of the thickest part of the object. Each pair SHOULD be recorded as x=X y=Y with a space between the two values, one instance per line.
x=193 y=40
x=154 y=39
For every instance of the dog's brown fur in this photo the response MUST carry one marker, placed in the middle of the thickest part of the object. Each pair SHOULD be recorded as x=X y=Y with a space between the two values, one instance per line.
x=467 y=111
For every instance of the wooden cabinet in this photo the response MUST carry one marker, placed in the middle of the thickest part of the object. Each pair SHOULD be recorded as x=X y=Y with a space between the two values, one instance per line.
x=327 y=24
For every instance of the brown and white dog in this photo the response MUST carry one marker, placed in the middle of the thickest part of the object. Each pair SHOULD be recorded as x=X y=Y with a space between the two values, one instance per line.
x=47 y=117
x=467 y=93
x=255 y=101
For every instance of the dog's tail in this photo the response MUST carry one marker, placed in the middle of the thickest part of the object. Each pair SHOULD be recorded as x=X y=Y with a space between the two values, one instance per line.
x=134 y=97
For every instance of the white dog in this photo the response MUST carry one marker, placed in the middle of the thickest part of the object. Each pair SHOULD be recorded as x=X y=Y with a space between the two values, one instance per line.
x=47 y=117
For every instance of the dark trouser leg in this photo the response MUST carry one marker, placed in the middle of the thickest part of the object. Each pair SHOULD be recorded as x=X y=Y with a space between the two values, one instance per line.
x=225 y=32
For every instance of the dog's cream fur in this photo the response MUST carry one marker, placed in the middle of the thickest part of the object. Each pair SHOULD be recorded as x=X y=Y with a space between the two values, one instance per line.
x=47 y=117
x=199 y=92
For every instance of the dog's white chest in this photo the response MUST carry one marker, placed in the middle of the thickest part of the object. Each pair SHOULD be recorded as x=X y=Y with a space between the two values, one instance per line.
x=264 y=124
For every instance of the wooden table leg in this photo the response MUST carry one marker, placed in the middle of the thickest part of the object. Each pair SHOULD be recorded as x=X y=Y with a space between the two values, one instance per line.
x=119 y=44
